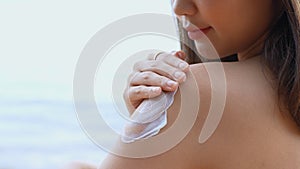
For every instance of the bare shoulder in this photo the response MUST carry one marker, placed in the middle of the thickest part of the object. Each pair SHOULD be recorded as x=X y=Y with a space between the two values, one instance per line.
x=251 y=119
x=244 y=137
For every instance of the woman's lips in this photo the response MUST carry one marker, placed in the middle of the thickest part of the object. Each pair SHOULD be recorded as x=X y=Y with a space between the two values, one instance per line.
x=196 y=34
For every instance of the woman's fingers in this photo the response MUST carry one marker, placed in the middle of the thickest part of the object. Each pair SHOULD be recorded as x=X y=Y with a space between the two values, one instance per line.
x=174 y=59
x=146 y=85
x=152 y=79
x=136 y=94
x=161 y=68
x=170 y=65
x=161 y=72
x=180 y=54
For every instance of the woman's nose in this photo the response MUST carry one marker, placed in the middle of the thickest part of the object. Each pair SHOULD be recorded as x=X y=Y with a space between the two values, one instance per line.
x=184 y=7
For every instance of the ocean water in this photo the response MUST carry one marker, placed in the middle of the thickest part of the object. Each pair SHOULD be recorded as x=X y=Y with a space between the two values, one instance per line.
x=39 y=128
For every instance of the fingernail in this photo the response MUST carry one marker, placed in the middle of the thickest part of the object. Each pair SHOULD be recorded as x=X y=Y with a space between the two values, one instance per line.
x=171 y=83
x=156 y=89
x=178 y=75
x=183 y=65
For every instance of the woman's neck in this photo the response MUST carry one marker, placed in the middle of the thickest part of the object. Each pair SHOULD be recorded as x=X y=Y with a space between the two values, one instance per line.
x=256 y=49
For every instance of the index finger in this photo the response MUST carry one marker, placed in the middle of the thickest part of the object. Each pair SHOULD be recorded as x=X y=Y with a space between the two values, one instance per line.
x=175 y=60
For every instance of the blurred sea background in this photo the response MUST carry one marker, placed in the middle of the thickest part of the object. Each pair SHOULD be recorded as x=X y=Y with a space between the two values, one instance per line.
x=40 y=42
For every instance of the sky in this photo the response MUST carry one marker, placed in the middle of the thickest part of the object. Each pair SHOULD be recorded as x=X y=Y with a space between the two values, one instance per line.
x=42 y=40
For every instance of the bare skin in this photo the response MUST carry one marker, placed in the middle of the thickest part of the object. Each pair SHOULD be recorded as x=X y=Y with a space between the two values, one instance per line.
x=253 y=132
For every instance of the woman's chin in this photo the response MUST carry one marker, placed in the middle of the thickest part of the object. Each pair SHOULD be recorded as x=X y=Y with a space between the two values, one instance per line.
x=206 y=50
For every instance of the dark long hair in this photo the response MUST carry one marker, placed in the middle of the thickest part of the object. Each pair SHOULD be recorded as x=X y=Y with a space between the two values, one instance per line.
x=281 y=55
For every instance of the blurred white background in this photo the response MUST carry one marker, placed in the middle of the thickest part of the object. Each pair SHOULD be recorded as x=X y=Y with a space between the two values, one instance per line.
x=40 y=42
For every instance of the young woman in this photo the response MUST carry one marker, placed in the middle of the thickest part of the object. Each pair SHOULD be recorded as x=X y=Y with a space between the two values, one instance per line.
x=260 y=127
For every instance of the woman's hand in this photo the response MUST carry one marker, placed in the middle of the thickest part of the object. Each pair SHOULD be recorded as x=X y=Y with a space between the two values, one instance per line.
x=152 y=76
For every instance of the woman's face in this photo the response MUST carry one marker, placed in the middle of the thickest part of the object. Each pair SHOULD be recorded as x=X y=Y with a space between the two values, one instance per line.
x=233 y=26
